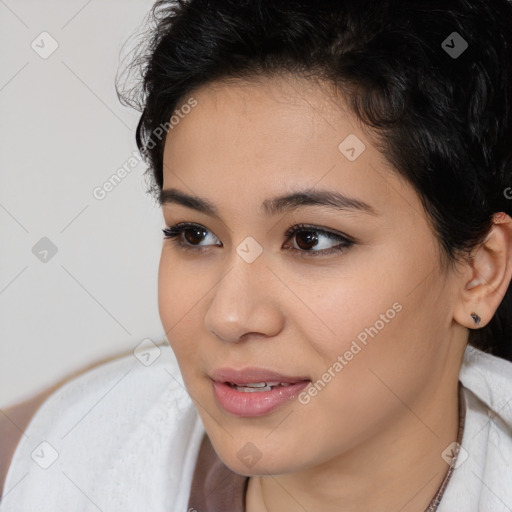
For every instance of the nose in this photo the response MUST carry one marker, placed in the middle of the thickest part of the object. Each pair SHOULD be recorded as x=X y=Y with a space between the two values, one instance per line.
x=245 y=302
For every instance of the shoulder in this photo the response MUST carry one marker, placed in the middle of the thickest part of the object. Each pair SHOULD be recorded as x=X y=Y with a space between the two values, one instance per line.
x=488 y=377
x=488 y=383
x=483 y=471
x=15 y=418
x=13 y=421
x=70 y=399
x=104 y=432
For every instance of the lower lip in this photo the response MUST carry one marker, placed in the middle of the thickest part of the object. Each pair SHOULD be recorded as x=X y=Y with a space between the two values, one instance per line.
x=257 y=403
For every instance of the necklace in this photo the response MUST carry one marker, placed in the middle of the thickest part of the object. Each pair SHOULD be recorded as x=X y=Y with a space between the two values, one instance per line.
x=431 y=508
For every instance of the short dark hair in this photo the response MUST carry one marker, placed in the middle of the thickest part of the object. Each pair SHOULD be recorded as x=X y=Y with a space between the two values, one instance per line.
x=441 y=112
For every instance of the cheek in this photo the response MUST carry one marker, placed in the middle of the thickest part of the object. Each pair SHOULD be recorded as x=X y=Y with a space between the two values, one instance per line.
x=180 y=287
x=386 y=348
x=167 y=286
x=347 y=307
x=178 y=301
x=374 y=319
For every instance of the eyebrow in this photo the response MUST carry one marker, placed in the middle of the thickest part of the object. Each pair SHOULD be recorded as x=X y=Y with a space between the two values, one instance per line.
x=276 y=205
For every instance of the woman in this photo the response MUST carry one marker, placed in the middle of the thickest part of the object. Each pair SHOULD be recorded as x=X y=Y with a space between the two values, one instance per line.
x=335 y=179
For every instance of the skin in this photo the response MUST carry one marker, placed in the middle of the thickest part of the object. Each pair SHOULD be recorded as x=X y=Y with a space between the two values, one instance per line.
x=372 y=438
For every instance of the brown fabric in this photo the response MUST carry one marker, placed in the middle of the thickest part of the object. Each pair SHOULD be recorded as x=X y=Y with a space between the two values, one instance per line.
x=215 y=488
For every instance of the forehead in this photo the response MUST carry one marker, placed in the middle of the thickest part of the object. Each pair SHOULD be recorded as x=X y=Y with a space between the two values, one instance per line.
x=244 y=142
x=262 y=106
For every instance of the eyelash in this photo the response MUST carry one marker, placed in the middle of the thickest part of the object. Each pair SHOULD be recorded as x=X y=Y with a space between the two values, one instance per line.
x=173 y=233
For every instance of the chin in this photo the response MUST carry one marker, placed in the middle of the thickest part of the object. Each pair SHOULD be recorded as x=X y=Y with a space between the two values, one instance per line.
x=258 y=459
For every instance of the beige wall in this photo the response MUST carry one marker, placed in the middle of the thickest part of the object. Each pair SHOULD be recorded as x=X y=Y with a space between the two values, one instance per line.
x=63 y=134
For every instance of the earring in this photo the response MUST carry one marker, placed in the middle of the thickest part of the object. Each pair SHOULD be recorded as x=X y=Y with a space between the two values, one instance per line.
x=476 y=318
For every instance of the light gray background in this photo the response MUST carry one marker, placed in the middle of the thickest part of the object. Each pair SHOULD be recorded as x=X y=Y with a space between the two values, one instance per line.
x=63 y=133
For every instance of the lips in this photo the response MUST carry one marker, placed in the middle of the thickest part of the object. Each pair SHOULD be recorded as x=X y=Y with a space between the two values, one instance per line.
x=254 y=391
x=253 y=376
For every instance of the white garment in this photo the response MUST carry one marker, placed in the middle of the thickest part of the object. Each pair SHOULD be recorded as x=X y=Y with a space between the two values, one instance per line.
x=127 y=438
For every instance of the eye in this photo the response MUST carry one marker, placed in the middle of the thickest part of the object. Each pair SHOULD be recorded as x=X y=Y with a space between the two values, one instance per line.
x=192 y=233
x=309 y=240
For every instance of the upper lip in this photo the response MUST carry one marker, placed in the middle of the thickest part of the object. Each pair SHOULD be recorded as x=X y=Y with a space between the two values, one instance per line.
x=251 y=376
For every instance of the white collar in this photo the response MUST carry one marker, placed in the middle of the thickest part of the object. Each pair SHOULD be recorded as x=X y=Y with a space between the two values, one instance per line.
x=483 y=480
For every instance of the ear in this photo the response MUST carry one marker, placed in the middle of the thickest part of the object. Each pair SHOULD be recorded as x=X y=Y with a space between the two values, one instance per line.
x=488 y=276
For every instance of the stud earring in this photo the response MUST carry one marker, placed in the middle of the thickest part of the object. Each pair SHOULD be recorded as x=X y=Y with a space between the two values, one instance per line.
x=476 y=318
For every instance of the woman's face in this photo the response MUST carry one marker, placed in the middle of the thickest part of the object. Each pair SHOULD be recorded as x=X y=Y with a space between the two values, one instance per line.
x=352 y=311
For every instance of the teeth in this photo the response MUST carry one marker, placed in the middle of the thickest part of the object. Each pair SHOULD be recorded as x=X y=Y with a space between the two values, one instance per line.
x=259 y=386
x=252 y=390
